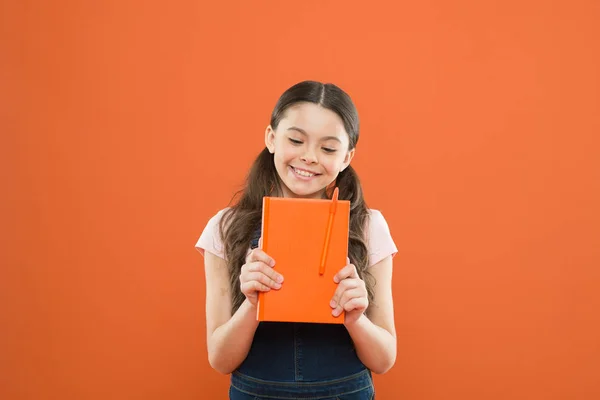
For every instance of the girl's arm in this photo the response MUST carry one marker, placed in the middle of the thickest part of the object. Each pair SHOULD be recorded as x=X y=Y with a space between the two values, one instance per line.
x=229 y=337
x=375 y=336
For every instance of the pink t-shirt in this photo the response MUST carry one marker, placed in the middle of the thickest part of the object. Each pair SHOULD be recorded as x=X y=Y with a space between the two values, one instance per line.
x=379 y=240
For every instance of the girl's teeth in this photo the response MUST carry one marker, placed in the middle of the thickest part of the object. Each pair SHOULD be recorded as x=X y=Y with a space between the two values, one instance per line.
x=303 y=173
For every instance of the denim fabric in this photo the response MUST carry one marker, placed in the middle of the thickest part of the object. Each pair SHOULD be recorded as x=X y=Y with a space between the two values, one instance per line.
x=353 y=387
x=301 y=361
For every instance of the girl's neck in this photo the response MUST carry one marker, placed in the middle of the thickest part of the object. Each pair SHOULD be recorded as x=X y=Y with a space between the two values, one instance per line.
x=285 y=192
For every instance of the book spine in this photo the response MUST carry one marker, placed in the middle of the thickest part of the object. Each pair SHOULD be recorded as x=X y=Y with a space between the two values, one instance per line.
x=265 y=243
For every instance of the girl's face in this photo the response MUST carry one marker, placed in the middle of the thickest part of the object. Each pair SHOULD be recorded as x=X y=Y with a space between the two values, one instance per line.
x=310 y=147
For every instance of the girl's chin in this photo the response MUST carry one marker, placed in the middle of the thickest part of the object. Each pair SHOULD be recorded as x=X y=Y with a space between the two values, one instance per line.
x=303 y=192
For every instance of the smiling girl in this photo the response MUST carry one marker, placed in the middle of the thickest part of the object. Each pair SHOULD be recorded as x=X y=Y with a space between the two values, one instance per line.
x=309 y=145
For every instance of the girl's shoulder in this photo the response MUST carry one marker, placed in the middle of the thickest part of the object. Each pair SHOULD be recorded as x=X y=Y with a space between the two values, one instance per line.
x=380 y=243
x=210 y=239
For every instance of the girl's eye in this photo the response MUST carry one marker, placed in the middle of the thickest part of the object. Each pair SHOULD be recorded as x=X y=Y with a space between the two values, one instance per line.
x=294 y=141
x=328 y=150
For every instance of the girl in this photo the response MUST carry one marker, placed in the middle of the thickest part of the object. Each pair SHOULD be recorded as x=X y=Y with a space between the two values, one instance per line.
x=310 y=142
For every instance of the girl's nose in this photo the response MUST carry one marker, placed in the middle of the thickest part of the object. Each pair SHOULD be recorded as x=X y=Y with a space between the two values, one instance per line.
x=309 y=157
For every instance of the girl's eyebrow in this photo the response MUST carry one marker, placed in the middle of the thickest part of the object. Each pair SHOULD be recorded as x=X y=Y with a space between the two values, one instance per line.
x=302 y=131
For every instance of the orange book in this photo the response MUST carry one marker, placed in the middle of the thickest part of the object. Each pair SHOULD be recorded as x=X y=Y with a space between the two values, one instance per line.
x=308 y=239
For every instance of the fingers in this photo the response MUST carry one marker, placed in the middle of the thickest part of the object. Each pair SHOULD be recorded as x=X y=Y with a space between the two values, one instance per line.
x=259 y=255
x=350 y=294
x=261 y=268
x=351 y=300
x=349 y=271
x=253 y=286
x=263 y=279
x=347 y=285
x=257 y=275
x=357 y=303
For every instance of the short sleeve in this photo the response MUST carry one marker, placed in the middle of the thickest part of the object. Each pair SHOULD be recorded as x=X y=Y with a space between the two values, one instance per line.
x=210 y=239
x=379 y=242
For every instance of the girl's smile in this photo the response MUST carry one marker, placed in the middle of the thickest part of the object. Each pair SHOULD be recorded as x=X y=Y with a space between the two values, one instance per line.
x=303 y=174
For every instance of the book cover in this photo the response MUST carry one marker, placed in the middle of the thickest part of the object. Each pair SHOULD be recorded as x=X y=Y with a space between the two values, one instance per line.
x=294 y=233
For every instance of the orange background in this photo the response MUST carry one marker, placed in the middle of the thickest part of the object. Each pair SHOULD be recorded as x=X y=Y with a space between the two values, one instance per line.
x=126 y=125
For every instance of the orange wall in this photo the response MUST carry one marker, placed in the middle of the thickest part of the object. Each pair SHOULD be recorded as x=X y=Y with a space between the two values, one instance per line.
x=480 y=144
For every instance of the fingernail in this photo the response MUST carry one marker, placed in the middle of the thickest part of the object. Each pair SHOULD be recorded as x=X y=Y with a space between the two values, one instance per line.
x=279 y=278
x=277 y=285
x=335 y=279
x=332 y=303
x=272 y=263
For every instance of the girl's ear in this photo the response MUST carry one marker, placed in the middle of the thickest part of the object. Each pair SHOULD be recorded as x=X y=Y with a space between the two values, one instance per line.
x=347 y=159
x=270 y=139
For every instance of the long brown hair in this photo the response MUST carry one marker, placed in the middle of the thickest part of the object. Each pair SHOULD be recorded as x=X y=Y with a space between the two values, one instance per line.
x=240 y=221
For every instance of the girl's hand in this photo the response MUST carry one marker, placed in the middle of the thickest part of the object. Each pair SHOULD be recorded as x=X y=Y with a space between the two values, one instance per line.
x=350 y=295
x=258 y=275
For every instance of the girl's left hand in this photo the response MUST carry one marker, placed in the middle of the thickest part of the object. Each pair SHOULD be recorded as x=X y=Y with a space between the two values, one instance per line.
x=350 y=295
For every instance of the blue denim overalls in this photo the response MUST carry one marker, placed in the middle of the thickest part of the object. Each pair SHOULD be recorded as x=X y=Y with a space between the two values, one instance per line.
x=301 y=361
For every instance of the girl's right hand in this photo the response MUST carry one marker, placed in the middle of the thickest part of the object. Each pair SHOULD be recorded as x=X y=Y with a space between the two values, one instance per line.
x=258 y=275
